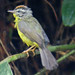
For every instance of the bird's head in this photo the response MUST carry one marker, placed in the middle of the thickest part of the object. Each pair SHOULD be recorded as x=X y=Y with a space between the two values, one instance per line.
x=21 y=11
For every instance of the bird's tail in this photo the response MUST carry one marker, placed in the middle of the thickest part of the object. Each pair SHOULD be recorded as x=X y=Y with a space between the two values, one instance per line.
x=47 y=59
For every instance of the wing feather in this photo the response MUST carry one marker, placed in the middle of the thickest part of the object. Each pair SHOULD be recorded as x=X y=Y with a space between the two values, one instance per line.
x=29 y=32
x=33 y=30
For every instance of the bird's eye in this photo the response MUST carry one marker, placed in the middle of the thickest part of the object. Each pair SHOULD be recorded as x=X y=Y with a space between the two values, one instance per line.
x=18 y=11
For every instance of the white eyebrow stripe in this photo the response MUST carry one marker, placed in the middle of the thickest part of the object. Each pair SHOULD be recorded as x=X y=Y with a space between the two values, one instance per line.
x=21 y=10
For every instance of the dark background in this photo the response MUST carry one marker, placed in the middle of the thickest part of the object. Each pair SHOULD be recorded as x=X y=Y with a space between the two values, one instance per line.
x=48 y=13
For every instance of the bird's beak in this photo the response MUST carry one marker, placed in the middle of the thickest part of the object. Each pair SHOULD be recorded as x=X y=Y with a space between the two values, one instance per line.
x=11 y=11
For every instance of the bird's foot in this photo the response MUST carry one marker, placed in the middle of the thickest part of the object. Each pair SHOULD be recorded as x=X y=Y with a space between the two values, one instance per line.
x=26 y=52
x=31 y=49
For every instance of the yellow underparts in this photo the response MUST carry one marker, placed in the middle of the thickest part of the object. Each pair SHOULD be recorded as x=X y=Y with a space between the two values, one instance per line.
x=22 y=36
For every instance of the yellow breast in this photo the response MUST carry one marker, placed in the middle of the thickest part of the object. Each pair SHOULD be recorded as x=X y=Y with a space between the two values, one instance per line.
x=22 y=36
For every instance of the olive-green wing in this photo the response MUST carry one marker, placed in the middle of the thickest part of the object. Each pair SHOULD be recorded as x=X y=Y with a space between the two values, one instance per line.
x=33 y=30
x=30 y=32
x=43 y=34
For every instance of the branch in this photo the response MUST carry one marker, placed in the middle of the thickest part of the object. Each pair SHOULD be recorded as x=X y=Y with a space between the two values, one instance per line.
x=51 y=48
x=65 y=56
x=52 y=9
x=42 y=71
x=61 y=47
x=14 y=57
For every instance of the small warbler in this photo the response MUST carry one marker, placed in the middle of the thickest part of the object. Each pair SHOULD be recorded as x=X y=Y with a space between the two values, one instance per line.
x=31 y=33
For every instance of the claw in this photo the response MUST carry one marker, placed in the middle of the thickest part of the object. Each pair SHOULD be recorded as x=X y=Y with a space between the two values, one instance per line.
x=26 y=52
x=32 y=48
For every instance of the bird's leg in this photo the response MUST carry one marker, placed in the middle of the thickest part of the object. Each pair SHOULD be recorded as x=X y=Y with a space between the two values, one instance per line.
x=30 y=49
x=35 y=46
x=33 y=50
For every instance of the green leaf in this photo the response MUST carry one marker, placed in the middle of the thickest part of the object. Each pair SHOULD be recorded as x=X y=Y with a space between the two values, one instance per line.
x=5 y=69
x=68 y=12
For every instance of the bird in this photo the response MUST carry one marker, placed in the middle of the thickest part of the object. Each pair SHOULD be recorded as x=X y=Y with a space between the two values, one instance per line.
x=32 y=34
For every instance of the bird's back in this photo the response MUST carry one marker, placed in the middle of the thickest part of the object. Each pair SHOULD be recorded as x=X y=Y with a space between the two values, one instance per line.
x=32 y=29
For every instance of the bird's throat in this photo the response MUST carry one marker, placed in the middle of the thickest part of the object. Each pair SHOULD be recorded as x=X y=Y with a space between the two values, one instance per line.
x=17 y=19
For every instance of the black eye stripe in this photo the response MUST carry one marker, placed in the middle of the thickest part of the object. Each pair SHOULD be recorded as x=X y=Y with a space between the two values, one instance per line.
x=21 y=11
x=18 y=11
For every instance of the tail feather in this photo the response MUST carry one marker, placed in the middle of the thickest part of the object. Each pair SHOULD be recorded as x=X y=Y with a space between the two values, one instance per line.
x=48 y=60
